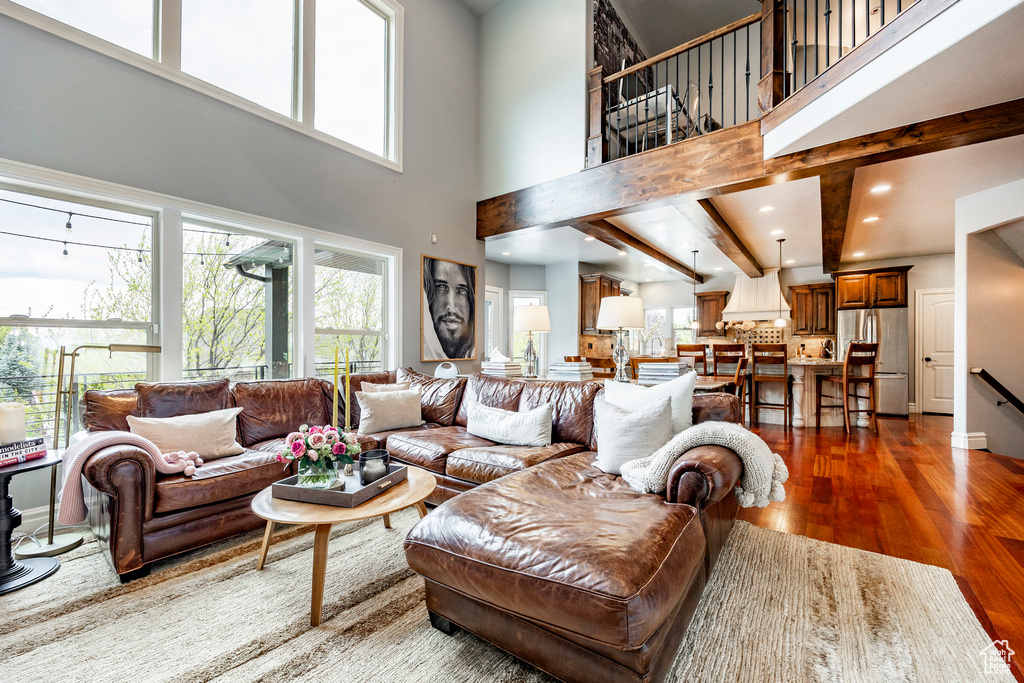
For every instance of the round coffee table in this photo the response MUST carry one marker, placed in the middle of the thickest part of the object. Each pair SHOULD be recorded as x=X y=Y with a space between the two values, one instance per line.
x=412 y=492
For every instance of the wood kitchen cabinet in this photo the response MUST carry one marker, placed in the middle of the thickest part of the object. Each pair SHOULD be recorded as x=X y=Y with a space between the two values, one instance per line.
x=814 y=309
x=593 y=288
x=872 y=288
x=709 y=312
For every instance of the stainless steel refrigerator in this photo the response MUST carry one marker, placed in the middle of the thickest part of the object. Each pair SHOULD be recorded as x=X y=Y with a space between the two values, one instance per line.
x=888 y=327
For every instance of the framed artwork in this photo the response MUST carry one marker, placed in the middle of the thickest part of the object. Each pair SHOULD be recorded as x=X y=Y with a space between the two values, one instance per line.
x=447 y=310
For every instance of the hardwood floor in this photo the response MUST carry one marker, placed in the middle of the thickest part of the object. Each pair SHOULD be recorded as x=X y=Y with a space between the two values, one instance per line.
x=908 y=494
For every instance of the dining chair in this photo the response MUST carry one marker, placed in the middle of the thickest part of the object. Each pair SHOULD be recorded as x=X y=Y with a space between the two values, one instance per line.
x=573 y=359
x=861 y=357
x=739 y=386
x=699 y=354
x=603 y=367
x=635 y=363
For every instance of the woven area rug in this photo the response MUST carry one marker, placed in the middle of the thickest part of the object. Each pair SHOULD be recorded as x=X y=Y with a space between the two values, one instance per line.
x=778 y=608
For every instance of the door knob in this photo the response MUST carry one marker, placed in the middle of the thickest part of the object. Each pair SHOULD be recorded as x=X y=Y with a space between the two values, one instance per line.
x=927 y=359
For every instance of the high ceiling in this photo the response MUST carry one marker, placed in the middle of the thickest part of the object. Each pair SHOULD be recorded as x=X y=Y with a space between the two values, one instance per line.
x=664 y=24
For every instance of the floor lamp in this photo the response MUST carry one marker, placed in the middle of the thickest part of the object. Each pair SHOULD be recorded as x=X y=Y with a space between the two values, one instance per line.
x=621 y=313
x=55 y=545
x=530 y=319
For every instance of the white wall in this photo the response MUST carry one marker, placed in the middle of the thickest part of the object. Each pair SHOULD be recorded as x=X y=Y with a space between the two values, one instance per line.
x=563 y=285
x=68 y=108
x=533 y=93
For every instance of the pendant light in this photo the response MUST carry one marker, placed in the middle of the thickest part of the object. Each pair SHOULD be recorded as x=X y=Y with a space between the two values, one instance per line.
x=780 y=321
x=695 y=323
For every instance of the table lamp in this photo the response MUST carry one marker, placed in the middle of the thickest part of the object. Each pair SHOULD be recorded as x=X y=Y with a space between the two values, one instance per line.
x=621 y=313
x=530 y=319
x=55 y=545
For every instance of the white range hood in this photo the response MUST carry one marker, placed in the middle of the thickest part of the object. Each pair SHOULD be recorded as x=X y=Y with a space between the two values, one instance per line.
x=756 y=298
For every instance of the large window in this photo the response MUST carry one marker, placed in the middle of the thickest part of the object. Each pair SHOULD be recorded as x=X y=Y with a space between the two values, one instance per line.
x=351 y=296
x=236 y=304
x=244 y=46
x=519 y=339
x=327 y=68
x=72 y=274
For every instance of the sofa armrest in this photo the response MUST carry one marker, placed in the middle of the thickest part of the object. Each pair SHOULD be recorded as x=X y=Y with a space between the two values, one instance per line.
x=703 y=476
x=127 y=474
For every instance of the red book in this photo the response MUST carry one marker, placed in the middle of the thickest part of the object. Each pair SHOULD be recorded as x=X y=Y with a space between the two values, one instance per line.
x=18 y=459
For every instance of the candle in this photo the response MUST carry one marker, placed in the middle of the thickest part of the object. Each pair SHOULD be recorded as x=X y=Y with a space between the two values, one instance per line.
x=372 y=470
x=12 y=422
x=335 y=422
x=348 y=380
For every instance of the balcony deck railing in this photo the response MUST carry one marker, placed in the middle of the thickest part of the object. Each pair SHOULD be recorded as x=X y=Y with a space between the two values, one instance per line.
x=721 y=79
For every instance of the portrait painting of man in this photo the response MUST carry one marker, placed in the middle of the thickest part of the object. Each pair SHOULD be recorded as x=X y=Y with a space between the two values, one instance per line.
x=448 y=310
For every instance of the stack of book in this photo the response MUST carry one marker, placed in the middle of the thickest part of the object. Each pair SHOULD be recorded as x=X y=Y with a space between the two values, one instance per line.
x=578 y=372
x=21 y=451
x=658 y=373
x=501 y=368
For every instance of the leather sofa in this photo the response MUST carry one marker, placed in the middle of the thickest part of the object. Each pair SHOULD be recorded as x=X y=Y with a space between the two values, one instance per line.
x=573 y=571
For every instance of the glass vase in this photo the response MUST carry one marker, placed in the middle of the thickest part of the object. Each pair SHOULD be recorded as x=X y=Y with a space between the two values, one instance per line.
x=315 y=476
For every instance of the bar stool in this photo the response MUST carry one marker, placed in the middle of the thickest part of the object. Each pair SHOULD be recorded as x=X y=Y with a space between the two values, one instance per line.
x=858 y=355
x=726 y=354
x=739 y=386
x=573 y=359
x=698 y=352
x=762 y=356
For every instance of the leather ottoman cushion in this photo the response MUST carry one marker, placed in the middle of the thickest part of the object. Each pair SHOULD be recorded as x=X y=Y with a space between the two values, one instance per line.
x=481 y=465
x=429 y=449
x=170 y=399
x=273 y=409
x=379 y=439
x=493 y=392
x=224 y=478
x=567 y=545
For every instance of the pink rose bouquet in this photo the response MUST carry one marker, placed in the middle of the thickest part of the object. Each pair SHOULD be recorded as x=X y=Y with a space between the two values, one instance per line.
x=323 y=447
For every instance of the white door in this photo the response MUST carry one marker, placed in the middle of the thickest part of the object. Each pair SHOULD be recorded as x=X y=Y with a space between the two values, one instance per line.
x=935 y=351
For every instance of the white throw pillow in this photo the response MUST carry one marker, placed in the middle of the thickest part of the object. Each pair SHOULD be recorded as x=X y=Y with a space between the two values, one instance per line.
x=387 y=410
x=211 y=435
x=679 y=391
x=527 y=428
x=624 y=435
x=371 y=388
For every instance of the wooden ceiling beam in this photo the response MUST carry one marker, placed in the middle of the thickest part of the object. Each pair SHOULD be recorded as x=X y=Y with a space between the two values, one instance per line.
x=725 y=161
x=618 y=238
x=836 y=193
x=703 y=215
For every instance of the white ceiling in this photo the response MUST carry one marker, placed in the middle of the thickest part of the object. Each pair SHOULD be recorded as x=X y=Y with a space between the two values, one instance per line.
x=481 y=7
x=663 y=24
x=666 y=229
x=1013 y=235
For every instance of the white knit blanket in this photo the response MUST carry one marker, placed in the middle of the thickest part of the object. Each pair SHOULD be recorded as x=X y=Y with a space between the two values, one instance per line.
x=72 y=502
x=763 y=471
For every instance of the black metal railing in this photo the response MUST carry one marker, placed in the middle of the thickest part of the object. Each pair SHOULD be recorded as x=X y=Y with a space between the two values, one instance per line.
x=701 y=86
x=325 y=369
x=821 y=32
x=1008 y=395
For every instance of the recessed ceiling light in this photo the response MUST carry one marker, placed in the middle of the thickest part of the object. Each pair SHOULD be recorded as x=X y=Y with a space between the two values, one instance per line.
x=766 y=209
x=879 y=189
x=776 y=232
x=622 y=253
x=685 y=245
x=871 y=219
x=648 y=279
x=588 y=239
x=506 y=253
x=647 y=265
x=791 y=260
x=858 y=254
x=660 y=226
x=718 y=268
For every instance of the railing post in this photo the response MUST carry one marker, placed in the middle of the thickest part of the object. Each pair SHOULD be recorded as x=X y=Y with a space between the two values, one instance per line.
x=595 y=143
x=771 y=87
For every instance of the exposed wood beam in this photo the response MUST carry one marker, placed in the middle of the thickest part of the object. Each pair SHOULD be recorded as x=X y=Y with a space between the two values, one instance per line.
x=726 y=161
x=836 y=192
x=712 y=224
x=618 y=238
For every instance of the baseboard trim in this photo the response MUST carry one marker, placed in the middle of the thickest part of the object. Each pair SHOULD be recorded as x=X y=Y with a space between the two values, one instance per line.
x=34 y=518
x=912 y=408
x=969 y=440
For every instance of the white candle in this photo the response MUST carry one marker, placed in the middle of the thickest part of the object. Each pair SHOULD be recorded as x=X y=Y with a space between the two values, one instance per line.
x=373 y=470
x=12 y=422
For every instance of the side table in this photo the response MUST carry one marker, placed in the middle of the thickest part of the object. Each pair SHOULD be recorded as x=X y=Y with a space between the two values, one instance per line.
x=18 y=574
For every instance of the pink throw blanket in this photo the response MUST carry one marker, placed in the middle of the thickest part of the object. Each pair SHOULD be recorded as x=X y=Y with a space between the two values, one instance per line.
x=72 y=502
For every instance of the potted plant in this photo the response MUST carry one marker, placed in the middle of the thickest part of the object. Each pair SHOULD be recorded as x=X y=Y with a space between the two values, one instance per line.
x=319 y=451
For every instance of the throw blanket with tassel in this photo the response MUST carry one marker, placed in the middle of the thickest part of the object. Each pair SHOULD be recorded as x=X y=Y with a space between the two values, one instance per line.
x=72 y=502
x=763 y=471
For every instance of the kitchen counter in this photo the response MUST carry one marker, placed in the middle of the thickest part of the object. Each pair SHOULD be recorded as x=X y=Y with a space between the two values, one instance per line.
x=828 y=362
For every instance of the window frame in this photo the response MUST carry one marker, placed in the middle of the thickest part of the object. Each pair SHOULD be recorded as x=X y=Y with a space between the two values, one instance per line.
x=540 y=340
x=497 y=296
x=166 y=63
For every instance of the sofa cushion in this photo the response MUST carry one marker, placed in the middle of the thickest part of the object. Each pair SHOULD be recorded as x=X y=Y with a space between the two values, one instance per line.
x=389 y=410
x=511 y=427
x=429 y=449
x=573 y=403
x=493 y=392
x=481 y=465
x=210 y=435
x=273 y=408
x=224 y=478
x=355 y=383
x=368 y=442
x=170 y=399
x=440 y=396
x=107 y=411
x=565 y=544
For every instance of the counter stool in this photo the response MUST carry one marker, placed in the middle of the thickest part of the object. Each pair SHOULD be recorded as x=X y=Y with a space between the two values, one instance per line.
x=763 y=356
x=699 y=354
x=858 y=355
x=726 y=354
x=739 y=387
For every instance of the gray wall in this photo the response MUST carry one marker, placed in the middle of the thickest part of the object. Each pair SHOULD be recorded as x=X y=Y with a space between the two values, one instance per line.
x=527 y=277
x=563 y=284
x=497 y=275
x=68 y=108
x=995 y=290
